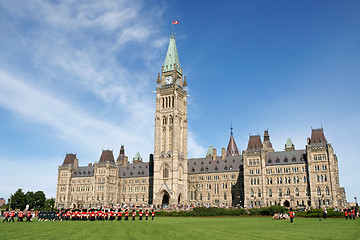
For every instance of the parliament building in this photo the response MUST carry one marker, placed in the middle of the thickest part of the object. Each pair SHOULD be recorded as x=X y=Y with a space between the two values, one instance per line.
x=256 y=177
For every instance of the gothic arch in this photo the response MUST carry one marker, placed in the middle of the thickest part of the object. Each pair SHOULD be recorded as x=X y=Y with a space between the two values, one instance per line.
x=165 y=198
x=180 y=173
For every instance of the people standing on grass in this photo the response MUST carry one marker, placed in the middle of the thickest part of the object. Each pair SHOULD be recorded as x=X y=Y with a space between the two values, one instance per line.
x=291 y=213
x=325 y=213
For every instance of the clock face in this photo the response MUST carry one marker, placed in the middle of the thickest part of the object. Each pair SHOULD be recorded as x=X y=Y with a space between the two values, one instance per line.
x=168 y=80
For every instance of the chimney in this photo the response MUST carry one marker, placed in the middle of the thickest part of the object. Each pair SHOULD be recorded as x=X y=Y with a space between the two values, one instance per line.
x=214 y=154
x=223 y=154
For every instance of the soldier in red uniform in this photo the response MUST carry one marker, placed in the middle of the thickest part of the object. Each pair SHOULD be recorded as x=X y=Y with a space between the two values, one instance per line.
x=291 y=213
x=353 y=214
x=28 y=216
x=6 y=216
x=126 y=215
x=346 y=214
x=12 y=215
x=133 y=214
x=140 y=214
x=20 y=216
x=146 y=214
x=152 y=214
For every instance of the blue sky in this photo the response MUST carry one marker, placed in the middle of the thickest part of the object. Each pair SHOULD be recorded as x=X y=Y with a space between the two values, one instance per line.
x=78 y=76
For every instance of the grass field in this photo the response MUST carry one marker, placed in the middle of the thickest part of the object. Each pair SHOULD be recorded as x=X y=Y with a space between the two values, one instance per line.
x=186 y=228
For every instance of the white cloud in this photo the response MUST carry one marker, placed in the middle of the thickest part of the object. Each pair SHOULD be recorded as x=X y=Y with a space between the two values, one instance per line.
x=194 y=149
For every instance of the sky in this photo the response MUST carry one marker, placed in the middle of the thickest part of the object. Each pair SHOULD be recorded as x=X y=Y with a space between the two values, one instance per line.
x=77 y=77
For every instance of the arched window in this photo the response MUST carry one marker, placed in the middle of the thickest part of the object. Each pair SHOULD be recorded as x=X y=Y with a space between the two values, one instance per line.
x=163 y=103
x=258 y=181
x=296 y=192
x=327 y=192
x=322 y=178
x=280 y=192
x=270 y=193
x=166 y=102
x=225 y=196
x=288 y=192
x=259 y=193
x=317 y=178
x=251 y=193
x=304 y=179
x=325 y=178
x=208 y=196
x=251 y=181
x=172 y=101
x=297 y=179
x=171 y=119
x=318 y=191
x=165 y=172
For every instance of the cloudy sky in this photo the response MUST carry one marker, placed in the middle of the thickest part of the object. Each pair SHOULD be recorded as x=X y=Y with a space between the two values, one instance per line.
x=78 y=76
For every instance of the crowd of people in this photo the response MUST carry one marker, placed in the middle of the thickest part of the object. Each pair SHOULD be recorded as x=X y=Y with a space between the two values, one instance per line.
x=281 y=216
x=79 y=215
x=350 y=214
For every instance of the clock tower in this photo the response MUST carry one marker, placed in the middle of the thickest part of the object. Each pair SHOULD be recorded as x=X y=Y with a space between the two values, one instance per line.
x=170 y=145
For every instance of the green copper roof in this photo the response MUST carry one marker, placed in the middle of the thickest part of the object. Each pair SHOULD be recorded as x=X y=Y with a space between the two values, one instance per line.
x=172 y=57
x=289 y=143
x=137 y=157
x=210 y=151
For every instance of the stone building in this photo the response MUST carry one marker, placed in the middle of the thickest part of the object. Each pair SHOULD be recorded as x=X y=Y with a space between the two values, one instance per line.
x=257 y=176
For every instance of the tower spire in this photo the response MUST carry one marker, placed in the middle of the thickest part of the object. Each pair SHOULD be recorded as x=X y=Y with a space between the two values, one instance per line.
x=232 y=148
x=172 y=58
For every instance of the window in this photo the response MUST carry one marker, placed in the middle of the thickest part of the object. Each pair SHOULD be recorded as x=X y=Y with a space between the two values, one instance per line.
x=325 y=178
x=318 y=191
x=327 y=192
x=269 y=161
x=285 y=160
x=259 y=193
x=277 y=160
x=165 y=172
x=296 y=192
x=317 y=178
x=288 y=192
x=280 y=192
x=251 y=193
x=294 y=159
x=270 y=193
x=225 y=196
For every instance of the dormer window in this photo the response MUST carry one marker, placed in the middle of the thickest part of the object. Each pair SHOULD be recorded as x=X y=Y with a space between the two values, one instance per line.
x=277 y=160
x=285 y=160
x=269 y=161
x=294 y=159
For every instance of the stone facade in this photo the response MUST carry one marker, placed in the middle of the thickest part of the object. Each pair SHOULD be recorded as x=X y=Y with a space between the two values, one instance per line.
x=257 y=176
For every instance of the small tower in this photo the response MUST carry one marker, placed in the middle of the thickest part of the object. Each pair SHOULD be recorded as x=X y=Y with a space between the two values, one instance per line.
x=289 y=146
x=122 y=159
x=232 y=148
x=267 y=143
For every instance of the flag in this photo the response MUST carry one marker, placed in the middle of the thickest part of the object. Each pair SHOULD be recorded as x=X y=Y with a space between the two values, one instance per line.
x=175 y=22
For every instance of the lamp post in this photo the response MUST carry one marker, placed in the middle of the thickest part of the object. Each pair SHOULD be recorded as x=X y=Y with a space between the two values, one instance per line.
x=356 y=204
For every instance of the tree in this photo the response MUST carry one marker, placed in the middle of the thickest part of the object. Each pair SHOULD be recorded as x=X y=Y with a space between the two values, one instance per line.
x=39 y=199
x=18 y=200
x=30 y=199
x=50 y=203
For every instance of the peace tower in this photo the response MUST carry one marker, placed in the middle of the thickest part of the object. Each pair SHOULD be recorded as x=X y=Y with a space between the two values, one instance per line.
x=170 y=150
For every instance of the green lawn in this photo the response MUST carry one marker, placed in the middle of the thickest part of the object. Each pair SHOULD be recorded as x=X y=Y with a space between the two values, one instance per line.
x=186 y=228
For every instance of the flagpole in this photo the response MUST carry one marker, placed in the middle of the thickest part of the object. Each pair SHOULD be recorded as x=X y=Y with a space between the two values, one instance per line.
x=172 y=32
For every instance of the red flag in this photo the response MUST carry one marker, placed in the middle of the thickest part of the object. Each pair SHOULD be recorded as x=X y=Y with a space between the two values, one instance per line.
x=175 y=22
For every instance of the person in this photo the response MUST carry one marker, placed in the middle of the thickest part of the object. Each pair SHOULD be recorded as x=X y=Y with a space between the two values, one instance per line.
x=28 y=216
x=140 y=214
x=12 y=215
x=20 y=216
x=325 y=213
x=146 y=214
x=152 y=214
x=291 y=213
x=353 y=214
x=133 y=214
x=126 y=215
x=6 y=216
x=346 y=214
